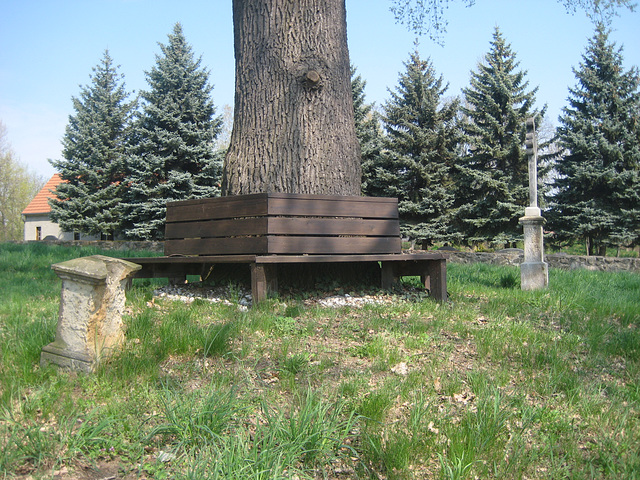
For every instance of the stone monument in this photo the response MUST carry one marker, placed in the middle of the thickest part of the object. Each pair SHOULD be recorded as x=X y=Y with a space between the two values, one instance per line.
x=534 y=272
x=91 y=307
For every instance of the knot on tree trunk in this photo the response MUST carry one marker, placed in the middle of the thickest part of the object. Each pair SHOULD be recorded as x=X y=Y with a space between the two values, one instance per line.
x=312 y=80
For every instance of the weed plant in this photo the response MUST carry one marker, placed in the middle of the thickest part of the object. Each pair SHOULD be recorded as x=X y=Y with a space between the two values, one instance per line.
x=496 y=383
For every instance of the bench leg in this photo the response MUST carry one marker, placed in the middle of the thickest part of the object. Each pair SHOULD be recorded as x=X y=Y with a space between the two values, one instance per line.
x=425 y=279
x=178 y=280
x=264 y=281
x=437 y=271
x=433 y=275
x=389 y=275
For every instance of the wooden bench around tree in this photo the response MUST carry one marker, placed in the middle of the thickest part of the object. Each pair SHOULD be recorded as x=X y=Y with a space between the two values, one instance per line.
x=272 y=230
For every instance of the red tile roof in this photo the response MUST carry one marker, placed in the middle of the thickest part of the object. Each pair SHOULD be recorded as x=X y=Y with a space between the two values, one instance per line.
x=39 y=204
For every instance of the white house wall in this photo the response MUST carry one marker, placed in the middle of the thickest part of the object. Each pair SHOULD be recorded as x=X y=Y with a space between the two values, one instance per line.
x=47 y=229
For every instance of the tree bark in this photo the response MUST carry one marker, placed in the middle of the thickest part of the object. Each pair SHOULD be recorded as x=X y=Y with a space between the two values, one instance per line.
x=293 y=129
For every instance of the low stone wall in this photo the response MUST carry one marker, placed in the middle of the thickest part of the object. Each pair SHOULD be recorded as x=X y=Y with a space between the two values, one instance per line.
x=555 y=260
x=604 y=264
x=149 y=246
x=512 y=256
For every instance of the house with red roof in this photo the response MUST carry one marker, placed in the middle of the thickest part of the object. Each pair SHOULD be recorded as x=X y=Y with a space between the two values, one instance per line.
x=38 y=224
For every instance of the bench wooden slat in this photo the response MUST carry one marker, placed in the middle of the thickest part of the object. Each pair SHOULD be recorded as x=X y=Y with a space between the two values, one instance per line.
x=217 y=228
x=384 y=257
x=281 y=204
x=282 y=245
x=192 y=259
x=332 y=245
x=332 y=226
x=211 y=259
x=333 y=198
x=332 y=208
x=260 y=197
x=214 y=208
x=282 y=226
x=216 y=246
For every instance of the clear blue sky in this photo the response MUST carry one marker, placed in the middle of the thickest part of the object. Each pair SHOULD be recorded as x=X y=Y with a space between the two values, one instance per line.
x=49 y=47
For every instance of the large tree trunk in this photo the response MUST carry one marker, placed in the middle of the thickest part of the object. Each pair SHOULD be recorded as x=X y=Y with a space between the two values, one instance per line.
x=293 y=128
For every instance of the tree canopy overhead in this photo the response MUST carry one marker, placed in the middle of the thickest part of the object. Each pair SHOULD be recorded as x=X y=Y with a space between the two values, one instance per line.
x=429 y=17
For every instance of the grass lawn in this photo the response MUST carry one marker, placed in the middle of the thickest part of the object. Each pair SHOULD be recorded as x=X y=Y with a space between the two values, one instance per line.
x=497 y=383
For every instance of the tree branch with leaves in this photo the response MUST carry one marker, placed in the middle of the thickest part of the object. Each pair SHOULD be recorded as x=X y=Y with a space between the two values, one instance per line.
x=429 y=17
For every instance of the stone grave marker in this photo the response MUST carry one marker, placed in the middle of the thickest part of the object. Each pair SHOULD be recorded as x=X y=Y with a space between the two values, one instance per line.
x=91 y=307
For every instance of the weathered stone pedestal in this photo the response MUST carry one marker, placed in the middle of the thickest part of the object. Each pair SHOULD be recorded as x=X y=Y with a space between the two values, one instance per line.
x=91 y=307
x=534 y=272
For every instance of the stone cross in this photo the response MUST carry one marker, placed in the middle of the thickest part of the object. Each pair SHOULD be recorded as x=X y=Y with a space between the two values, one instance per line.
x=534 y=272
x=531 y=144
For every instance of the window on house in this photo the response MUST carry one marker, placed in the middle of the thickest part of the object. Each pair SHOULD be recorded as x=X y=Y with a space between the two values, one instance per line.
x=76 y=236
x=38 y=233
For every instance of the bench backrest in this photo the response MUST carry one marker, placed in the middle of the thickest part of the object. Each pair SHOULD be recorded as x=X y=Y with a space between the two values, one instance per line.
x=283 y=224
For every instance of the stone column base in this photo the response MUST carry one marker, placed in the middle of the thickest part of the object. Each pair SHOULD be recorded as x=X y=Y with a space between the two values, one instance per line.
x=92 y=302
x=64 y=358
x=534 y=275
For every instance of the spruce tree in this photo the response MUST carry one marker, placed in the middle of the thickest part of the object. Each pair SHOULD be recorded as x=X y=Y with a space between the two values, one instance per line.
x=492 y=172
x=172 y=155
x=598 y=184
x=419 y=151
x=94 y=146
x=367 y=128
